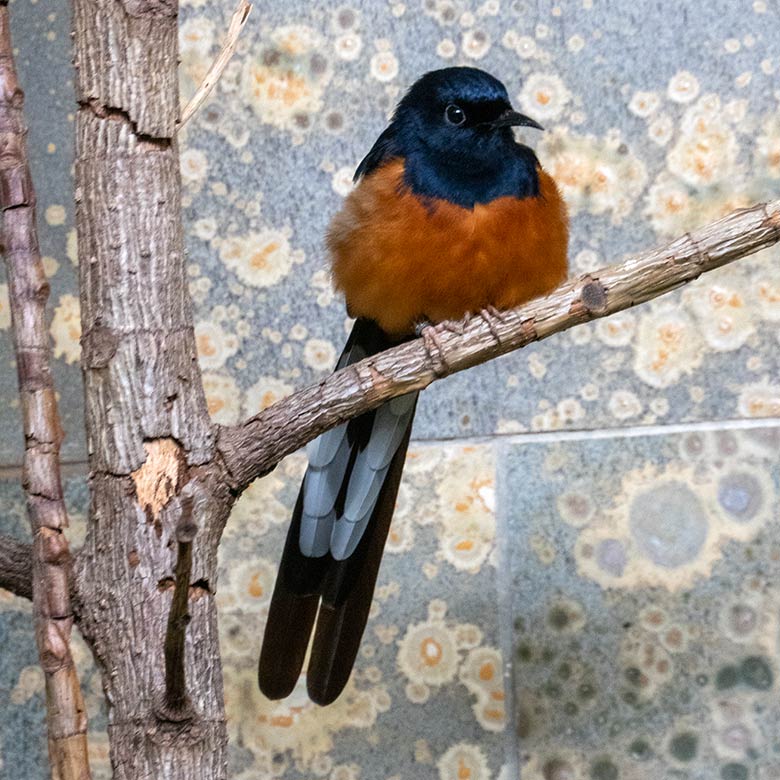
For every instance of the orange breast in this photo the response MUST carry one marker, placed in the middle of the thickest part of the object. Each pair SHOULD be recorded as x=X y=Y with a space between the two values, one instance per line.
x=400 y=260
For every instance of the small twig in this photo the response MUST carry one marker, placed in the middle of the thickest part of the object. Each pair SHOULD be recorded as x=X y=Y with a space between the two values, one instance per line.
x=28 y=293
x=177 y=705
x=254 y=447
x=16 y=567
x=240 y=15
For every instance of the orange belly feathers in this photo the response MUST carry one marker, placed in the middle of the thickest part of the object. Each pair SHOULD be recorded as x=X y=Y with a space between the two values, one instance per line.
x=401 y=260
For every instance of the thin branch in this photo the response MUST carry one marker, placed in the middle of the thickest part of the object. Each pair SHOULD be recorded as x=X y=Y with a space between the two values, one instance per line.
x=16 y=567
x=240 y=15
x=28 y=293
x=254 y=447
x=177 y=705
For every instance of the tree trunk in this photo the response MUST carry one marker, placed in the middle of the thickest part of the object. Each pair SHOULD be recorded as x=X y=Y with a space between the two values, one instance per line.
x=148 y=433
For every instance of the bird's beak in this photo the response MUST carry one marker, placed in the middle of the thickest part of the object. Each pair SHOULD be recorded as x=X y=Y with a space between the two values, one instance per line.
x=514 y=119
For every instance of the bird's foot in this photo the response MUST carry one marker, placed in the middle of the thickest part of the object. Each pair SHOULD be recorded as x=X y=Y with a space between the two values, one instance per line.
x=493 y=312
x=489 y=315
x=435 y=350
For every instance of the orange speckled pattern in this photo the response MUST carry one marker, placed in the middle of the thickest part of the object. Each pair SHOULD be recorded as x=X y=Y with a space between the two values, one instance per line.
x=400 y=259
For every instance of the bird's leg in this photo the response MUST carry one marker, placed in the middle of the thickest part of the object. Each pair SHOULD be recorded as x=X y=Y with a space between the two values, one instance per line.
x=421 y=325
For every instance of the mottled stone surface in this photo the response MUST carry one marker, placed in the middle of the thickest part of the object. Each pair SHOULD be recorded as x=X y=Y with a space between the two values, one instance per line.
x=644 y=603
x=632 y=590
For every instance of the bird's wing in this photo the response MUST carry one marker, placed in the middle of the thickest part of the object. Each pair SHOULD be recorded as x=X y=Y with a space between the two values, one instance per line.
x=371 y=464
x=385 y=148
x=348 y=589
x=329 y=460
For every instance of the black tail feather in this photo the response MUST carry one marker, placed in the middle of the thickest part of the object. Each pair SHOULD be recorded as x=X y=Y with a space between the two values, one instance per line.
x=291 y=618
x=291 y=615
x=347 y=594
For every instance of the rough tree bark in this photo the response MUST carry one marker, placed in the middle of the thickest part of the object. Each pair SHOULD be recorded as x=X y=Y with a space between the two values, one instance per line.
x=149 y=438
x=162 y=478
x=16 y=567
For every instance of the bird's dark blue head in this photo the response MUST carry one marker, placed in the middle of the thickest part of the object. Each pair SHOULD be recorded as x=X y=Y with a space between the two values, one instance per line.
x=453 y=128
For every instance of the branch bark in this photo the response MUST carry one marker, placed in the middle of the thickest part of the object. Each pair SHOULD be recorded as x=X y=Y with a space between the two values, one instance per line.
x=237 y=22
x=16 y=567
x=253 y=448
x=28 y=293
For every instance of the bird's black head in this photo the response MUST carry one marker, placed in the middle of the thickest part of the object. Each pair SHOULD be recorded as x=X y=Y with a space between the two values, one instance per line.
x=454 y=130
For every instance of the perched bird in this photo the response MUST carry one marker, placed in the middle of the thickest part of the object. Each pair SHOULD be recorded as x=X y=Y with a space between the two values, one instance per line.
x=449 y=216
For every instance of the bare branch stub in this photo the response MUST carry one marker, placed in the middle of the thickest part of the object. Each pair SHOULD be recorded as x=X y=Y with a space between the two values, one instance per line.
x=255 y=446
x=240 y=15
x=177 y=705
x=28 y=293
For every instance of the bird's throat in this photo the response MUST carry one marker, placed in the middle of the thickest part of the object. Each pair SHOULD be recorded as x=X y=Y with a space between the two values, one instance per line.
x=465 y=181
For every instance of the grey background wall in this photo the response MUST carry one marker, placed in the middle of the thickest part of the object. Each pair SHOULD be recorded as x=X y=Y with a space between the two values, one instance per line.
x=597 y=514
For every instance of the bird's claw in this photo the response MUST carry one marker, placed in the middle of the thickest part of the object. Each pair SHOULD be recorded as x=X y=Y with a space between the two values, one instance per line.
x=493 y=312
x=488 y=315
x=458 y=327
x=435 y=351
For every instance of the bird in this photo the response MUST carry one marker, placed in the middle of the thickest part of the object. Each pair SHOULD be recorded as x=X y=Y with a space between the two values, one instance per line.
x=449 y=216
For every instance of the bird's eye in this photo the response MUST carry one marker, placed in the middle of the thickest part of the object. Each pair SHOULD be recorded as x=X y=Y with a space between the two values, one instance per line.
x=454 y=115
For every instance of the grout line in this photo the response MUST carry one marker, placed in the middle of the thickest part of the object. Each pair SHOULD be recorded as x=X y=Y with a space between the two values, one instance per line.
x=503 y=579
x=628 y=432
x=78 y=467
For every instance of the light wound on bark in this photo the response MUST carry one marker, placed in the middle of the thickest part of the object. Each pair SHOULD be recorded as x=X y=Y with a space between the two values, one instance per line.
x=161 y=476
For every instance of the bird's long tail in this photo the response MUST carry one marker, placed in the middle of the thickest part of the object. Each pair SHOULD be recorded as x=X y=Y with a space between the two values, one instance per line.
x=335 y=542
